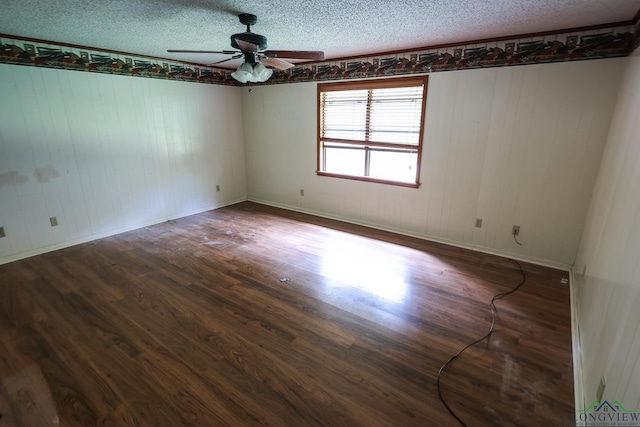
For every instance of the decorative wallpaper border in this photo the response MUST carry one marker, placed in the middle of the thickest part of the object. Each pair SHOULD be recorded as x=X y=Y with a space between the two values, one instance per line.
x=636 y=42
x=568 y=46
x=19 y=51
x=572 y=46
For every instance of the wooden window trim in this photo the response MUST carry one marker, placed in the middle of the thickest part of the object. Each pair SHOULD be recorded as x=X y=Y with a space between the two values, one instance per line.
x=372 y=84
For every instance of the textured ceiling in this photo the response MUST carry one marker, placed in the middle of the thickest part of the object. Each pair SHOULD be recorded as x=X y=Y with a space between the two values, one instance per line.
x=339 y=28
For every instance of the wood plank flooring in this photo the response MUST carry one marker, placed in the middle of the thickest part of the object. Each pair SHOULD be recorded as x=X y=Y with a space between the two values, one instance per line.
x=250 y=315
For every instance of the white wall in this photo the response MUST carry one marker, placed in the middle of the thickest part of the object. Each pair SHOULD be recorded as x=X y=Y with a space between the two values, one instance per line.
x=106 y=153
x=513 y=145
x=608 y=295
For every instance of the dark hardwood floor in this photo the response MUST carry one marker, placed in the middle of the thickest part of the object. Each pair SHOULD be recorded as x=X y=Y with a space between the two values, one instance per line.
x=250 y=315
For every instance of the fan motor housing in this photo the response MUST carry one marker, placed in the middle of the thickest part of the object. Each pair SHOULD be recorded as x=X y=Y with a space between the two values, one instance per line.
x=253 y=38
x=248 y=19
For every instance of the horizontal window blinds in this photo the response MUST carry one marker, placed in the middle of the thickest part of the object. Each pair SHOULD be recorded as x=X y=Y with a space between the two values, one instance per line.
x=381 y=115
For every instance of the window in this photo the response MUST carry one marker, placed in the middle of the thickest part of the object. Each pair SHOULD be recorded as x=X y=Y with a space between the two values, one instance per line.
x=372 y=130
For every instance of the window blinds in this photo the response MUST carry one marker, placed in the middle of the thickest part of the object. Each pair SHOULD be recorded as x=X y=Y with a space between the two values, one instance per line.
x=380 y=115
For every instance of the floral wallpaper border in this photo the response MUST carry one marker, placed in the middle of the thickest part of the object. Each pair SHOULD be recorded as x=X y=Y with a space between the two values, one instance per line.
x=592 y=44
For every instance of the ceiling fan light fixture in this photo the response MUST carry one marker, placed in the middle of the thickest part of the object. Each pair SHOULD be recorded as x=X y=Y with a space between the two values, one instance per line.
x=256 y=73
x=261 y=73
x=253 y=47
x=244 y=73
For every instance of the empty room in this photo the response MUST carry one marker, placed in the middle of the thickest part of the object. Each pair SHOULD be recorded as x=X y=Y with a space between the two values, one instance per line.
x=240 y=213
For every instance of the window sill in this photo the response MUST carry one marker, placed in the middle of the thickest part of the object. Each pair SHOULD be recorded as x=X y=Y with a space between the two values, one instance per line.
x=368 y=179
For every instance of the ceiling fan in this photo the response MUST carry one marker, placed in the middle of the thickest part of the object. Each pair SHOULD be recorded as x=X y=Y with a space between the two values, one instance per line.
x=256 y=58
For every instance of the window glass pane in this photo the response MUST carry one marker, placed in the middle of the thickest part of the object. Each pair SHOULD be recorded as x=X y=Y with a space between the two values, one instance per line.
x=396 y=166
x=347 y=161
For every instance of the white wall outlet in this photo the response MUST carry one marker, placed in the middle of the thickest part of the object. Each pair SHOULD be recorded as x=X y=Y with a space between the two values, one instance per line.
x=54 y=221
x=478 y=222
x=217 y=188
x=301 y=192
x=2 y=232
x=515 y=230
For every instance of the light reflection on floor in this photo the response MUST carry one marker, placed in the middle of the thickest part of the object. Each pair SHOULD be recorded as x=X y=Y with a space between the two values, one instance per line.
x=367 y=268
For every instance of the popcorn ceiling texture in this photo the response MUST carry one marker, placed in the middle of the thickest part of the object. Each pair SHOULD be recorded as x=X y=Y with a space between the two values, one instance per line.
x=340 y=28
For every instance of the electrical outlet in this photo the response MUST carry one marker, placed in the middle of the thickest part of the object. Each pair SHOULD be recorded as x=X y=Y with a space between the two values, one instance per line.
x=515 y=230
x=301 y=192
x=2 y=232
x=217 y=187
x=54 y=221
x=479 y=222
x=600 y=391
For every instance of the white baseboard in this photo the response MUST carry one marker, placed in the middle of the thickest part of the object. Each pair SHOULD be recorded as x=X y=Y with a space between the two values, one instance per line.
x=578 y=378
x=89 y=238
x=519 y=257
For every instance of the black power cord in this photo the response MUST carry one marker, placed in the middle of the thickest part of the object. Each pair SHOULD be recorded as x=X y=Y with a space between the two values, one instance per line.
x=516 y=239
x=493 y=322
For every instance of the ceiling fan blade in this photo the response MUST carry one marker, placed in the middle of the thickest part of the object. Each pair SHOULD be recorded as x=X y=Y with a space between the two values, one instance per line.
x=249 y=47
x=228 y=59
x=225 y=52
x=276 y=63
x=316 y=55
